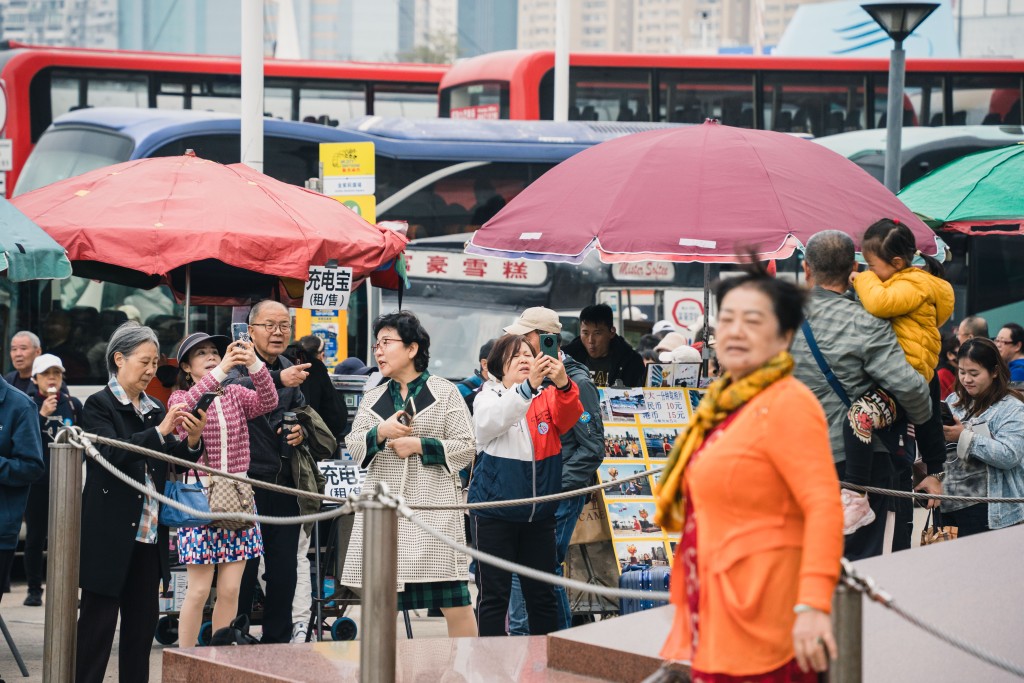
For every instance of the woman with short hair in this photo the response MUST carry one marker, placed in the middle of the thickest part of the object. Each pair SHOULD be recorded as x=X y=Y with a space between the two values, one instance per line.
x=124 y=547
x=988 y=431
x=751 y=486
x=1010 y=342
x=413 y=432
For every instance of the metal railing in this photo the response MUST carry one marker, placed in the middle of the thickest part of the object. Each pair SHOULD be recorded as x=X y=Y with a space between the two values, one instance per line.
x=381 y=510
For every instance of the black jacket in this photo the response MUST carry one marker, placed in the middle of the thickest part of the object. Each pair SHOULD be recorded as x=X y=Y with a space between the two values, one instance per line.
x=69 y=411
x=110 y=508
x=627 y=364
x=265 y=444
x=583 y=445
x=322 y=397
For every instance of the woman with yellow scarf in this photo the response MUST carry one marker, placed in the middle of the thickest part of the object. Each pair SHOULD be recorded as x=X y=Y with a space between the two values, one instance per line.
x=752 y=488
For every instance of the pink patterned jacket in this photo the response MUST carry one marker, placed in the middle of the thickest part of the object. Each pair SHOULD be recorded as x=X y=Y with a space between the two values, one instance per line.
x=227 y=428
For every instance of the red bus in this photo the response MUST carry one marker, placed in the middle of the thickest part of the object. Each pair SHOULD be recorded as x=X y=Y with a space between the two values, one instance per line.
x=819 y=96
x=41 y=83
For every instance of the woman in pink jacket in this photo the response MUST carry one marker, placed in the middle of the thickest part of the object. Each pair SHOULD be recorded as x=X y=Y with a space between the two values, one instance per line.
x=203 y=363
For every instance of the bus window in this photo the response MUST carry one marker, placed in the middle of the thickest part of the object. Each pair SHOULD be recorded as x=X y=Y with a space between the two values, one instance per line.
x=285 y=159
x=478 y=101
x=320 y=105
x=605 y=94
x=71 y=90
x=278 y=102
x=456 y=201
x=922 y=100
x=411 y=102
x=990 y=99
x=64 y=96
x=819 y=103
x=69 y=152
x=692 y=96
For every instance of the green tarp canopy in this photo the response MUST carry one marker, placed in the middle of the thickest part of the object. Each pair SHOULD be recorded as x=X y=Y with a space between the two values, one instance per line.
x=26 y=251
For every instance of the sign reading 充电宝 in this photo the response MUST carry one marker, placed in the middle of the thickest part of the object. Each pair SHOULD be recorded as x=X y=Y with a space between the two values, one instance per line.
x=327 y=288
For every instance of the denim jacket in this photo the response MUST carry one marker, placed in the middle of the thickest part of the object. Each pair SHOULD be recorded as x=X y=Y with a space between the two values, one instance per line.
x=1002 y=450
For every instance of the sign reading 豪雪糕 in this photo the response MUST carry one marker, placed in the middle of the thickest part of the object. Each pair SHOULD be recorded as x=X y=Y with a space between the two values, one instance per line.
x=327 y=288
x=450 y=265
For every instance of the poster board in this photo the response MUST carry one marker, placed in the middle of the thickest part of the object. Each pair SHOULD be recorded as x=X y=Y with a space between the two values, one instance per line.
x=640 y=426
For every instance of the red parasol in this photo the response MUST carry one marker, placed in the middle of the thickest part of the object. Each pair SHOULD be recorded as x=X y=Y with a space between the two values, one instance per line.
x=702 y=193
x=237 y=234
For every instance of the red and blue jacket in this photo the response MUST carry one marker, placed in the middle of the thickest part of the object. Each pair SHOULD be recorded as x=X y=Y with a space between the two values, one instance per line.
x=519 y=449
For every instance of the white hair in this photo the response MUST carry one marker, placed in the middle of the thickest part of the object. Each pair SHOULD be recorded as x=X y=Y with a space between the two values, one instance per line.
x=31 y=336
x=126 y=338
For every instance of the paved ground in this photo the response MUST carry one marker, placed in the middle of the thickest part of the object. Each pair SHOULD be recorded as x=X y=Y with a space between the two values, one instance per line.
x=26 y=626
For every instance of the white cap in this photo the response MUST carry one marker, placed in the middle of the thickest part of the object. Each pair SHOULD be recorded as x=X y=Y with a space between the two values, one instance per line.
x=671 y=341
x=45 y=362
x=663 y=326
x=536 y=318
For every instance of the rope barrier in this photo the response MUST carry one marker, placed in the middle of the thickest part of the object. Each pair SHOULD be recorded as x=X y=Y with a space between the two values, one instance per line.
x=538 y=499
x=528 y=572
x=867 y=586
x=81 y=441
x=929 y=496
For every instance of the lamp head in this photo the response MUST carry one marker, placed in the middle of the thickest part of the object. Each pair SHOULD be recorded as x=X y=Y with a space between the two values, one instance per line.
x=900 y=19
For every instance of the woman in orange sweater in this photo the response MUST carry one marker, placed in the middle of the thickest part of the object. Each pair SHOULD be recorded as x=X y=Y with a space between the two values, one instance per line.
x=752 y=488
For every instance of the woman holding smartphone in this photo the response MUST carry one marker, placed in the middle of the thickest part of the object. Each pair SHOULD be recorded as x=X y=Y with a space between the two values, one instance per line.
x=203 y=364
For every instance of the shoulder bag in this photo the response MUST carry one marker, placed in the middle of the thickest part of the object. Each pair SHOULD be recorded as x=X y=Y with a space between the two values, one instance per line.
x=228 y=495
x=933 y=533
x=192 y=495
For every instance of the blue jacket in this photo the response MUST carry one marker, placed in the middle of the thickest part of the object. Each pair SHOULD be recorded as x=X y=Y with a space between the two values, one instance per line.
x=21 y=459
x=1000 y=446
x=520 y=450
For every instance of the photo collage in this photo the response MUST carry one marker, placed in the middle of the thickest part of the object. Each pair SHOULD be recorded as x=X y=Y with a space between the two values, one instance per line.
x=641 y=426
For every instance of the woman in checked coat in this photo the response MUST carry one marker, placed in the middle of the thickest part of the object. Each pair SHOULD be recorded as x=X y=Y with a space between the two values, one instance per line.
x=420 y=461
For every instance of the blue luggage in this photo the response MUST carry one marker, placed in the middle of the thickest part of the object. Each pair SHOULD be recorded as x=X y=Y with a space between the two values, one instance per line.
x=643 y=577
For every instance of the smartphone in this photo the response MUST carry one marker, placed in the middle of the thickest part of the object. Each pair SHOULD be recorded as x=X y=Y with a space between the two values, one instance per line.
x=240 y=332
x=947 y=414
x=549 y=345
x=408 y=413
x=204 y=403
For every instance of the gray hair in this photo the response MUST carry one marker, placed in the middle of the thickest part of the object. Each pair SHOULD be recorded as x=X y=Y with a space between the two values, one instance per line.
x=976 y=325
x=126 y=338
x=829 y=255
x=31 y=336
x=254 y=312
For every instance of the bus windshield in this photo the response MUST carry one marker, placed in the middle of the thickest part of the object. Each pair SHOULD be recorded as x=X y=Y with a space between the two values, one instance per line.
x=67 y=152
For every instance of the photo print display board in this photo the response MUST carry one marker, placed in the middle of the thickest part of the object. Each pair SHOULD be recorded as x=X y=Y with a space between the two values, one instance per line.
x=641 y=426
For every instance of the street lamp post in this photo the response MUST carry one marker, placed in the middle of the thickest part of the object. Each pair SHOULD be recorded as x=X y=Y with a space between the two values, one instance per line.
x=898 y=19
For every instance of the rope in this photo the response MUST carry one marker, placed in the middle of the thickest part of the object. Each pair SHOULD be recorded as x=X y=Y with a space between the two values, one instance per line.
x=867 y=586
x=81 y=441
x=538 y=499
x=603 y=591
x=930 y=496
x=70 y=433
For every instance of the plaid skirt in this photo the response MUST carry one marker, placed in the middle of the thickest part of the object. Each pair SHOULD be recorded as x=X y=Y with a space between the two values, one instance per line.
x=434 y=594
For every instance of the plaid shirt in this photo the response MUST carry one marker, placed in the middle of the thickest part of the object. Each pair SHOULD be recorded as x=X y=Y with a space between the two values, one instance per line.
x=150 y=507
x=433 y=450
x=863 y=353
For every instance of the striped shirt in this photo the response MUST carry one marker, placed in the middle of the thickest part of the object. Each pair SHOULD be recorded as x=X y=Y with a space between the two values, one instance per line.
x=150 y=507
x=863 y=352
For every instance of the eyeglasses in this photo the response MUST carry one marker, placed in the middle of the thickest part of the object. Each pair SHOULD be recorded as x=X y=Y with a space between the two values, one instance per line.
x=274 y=327
x=1000 y=342
x=383 y=342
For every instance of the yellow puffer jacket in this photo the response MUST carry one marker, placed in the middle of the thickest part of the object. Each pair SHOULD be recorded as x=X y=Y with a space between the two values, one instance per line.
x=917 y=303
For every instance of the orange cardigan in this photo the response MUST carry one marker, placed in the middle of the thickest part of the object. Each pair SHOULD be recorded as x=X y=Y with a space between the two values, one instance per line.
x=769 y=533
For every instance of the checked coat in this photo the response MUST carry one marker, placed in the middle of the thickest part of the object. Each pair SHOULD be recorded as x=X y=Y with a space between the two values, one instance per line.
x=441 y=414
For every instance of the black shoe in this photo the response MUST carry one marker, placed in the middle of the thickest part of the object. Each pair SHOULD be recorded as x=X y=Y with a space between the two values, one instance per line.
x=34 y=599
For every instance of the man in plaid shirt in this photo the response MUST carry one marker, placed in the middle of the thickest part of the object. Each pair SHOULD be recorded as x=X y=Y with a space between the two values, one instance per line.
x=863 y=353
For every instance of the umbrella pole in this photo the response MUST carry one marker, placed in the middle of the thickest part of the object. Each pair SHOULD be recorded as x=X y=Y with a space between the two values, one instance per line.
x=705 y=353
x=188 y=297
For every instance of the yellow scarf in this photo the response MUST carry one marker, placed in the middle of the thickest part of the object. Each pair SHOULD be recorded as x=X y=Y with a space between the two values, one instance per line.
x=723 y=398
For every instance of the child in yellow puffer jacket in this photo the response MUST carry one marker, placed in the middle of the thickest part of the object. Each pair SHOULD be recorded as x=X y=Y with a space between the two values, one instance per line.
x=917 y=302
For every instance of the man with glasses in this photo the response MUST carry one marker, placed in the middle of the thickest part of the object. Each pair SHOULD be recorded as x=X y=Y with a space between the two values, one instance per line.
x=270 y=329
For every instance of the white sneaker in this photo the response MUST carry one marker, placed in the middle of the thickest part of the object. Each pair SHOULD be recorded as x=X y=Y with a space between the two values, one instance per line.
x=857 y=512
x=299 y=632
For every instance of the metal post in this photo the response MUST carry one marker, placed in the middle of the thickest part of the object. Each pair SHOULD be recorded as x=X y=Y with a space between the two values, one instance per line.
x=894 y=117
x=252 y=84
x=379 y=611
x=65 y=528
x=561 y=60
x=847 y=619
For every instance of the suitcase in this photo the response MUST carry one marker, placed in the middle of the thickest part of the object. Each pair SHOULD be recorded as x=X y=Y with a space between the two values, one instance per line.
x=643 y=578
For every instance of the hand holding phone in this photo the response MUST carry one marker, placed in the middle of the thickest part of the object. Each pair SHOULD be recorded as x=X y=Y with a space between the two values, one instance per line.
x=204 y=403
x=549 y=345
x=947 y=415
x=240 y=332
